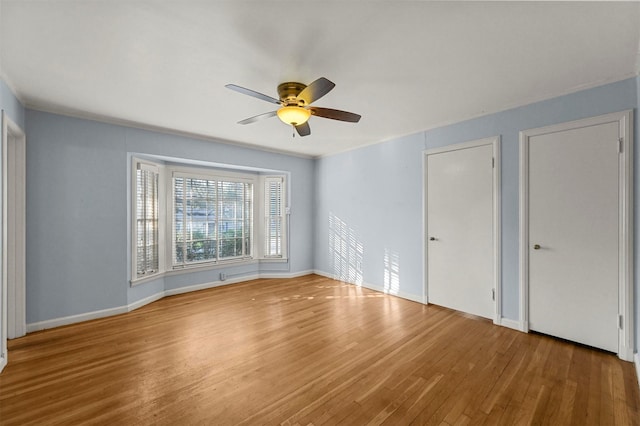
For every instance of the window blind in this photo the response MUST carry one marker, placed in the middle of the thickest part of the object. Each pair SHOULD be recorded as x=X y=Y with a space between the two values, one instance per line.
x=212 y=220
x=147 y=248
x=274 y=216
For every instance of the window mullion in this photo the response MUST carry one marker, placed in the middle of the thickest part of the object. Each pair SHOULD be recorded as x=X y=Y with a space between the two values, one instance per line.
x=143 y=178
x=244 y=218
x=184 y=221
x=218 y=187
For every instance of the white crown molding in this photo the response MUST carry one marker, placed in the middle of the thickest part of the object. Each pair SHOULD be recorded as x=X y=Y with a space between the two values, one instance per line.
x=74 y=113
x=525 y=102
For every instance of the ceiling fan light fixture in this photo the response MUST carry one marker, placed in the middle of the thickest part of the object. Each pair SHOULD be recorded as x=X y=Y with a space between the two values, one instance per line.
x=293 y=115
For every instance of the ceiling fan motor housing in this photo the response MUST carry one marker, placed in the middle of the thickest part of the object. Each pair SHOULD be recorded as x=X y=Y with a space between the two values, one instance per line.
x=289 y=91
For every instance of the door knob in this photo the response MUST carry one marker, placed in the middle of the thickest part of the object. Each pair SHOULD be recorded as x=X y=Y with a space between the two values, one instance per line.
x=432 y=238
x=536 y=246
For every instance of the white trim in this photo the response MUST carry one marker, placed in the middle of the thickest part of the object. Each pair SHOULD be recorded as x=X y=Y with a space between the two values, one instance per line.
x=261 y=211
x=103 y=313
x=147 y=165
x=495 y=142
x=636 y=362
x=13 y=253
x=403 y=295
x=145 y=301
x=194 y=172
x=177 y=172
x=167 y=167
x=84 y=115
x=146 y=279
x=278 y=275
x=212 y=284
x=523 y=233
x=72 y=319
x=3 y=248
x=16 y=146
x=207 y=266
x=509 y=323
x=508 y=107
x=624 y=119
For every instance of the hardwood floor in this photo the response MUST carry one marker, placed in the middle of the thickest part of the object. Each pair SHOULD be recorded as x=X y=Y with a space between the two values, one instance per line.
x=307 y=351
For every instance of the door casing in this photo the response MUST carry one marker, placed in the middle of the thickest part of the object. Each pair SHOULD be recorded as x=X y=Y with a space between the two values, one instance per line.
x=624 y=120
x=13 y=249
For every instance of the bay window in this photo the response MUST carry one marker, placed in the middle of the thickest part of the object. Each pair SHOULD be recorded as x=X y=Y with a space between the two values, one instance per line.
x=186 y=217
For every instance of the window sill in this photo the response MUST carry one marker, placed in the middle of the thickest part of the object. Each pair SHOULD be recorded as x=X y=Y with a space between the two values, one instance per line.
x=274 y=260
x=137 y=281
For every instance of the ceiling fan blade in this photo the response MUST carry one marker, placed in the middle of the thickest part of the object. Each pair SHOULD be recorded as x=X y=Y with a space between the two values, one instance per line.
x=303 y=129
x=335 y=114
x=258 y=117
x=316 y=90
x=253 y=93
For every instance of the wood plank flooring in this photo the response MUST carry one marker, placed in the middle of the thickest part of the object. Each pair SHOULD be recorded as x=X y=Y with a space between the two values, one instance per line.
x=307 y=351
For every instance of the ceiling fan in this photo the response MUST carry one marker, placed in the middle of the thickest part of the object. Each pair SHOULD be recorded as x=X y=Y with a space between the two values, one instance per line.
x=295 y=99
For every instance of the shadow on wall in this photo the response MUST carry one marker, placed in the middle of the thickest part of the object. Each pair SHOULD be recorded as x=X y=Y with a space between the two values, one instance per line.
x=391 y=272
x=345 y=252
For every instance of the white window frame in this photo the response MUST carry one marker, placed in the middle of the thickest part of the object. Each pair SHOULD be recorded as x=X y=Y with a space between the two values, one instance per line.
x=216 y=175
x=156 y=168
x=167 y=168
x=265 y=180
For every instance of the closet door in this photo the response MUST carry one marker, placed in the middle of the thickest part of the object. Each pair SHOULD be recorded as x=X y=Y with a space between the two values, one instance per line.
x=460 y=246
x=574 y=234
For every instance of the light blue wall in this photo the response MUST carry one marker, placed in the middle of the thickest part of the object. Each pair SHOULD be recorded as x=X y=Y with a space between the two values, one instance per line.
x=353 y=186
x=369 y=215
x=77 y=196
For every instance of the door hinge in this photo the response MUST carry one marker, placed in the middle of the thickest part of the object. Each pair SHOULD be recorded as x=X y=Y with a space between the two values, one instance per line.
x=619 y=144
x=493 y=294
x=493 y=162
x=620 y=323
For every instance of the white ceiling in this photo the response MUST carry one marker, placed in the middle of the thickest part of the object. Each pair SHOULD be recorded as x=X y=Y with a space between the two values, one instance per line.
x=405 y=66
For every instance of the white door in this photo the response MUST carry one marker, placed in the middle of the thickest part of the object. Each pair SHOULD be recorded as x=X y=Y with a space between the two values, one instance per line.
x=574 y=234
x=460 y=246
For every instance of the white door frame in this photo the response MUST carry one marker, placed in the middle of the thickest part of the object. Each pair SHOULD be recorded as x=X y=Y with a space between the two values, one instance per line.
x=13 y=246
x=624 y=119
x=497 y=234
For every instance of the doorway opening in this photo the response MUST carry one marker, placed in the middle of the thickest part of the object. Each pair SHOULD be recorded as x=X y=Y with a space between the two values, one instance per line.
x=13 y=315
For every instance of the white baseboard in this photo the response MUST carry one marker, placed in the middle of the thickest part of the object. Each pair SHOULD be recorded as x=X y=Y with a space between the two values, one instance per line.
x=276 y=274
x=73 y=319
x=509 y=323
x=324 y=274
x=204 y=286
x=140 y=303
x=408 y=296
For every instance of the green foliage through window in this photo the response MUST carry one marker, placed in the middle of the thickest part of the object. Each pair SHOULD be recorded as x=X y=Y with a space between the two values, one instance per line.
x=212 y=220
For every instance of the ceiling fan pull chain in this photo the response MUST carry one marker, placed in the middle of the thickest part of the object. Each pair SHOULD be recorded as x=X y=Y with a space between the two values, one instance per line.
x=294 y=131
